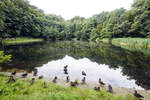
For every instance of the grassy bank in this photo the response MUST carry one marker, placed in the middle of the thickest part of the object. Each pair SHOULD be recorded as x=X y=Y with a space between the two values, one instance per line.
x=20 y=40
x=22 y=90
x=139 y=44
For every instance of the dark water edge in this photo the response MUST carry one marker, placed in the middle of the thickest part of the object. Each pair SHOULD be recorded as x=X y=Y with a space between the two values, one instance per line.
x=133 y=65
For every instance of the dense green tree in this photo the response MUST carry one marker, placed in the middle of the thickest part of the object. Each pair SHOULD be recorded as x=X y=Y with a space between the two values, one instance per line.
x=20 y=19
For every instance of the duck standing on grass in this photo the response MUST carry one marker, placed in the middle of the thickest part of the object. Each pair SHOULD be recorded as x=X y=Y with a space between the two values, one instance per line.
x=44 y=85
x=32 y=81
x=73 y=84
x=40 y=77
x=110 y=89
x=11 y=79
x=97 y=88
x=139 y=96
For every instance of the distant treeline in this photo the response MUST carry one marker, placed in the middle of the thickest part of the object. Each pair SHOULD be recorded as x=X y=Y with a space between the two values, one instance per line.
x=20 y=19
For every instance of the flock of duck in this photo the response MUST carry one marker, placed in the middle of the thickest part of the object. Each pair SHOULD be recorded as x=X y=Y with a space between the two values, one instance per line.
x=72 y=83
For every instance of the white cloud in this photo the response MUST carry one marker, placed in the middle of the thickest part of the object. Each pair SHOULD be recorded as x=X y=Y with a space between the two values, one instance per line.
x=84 y=8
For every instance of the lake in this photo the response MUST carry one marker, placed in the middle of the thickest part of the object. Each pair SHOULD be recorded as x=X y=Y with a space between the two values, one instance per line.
x=114 y=65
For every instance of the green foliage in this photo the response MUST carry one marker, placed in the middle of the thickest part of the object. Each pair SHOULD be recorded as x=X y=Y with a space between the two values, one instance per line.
x=4 y=58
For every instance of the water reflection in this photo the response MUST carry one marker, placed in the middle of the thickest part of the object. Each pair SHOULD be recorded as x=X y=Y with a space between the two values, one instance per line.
x=93 y=70
x=101 y=60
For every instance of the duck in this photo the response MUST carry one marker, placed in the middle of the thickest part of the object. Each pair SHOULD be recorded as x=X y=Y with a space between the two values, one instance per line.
x=67 y=79
x=138 y=95
x=110 y=89
x=65 y=72
x=83 y=80
x=76 y=82
x=13 y=73
x=35 y=72
x=24 y=75
x=97 y=88
x=40 y=77
x=83 y=73
x=73 y=84
x=32 y=81
x=65 y=67
x=101 y=82
x=54 y=80
x=44 y=85
x=11 y=79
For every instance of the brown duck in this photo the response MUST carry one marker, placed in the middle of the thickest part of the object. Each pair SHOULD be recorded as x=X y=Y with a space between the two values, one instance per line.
x=44 y=85
x=35 y=72
x=101 y=82
x=97 y=88
x=24 y=75
x=13 y=73
x=83 y=80
x=83 y=73
x=32 y=81
x=138 y=95
x=65 y=67
x=40 y=77
x=65 y=72
x=11 y=79
x=73 y=84
x=54 y=80
x=67 y=79
x=110 y=89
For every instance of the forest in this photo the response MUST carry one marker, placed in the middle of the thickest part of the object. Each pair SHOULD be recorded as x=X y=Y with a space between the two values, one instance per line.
x=20 y=19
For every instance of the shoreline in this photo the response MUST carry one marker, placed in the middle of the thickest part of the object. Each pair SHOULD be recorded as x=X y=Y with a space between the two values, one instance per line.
x=117 y=90
x=16 y=41
x=132 y=44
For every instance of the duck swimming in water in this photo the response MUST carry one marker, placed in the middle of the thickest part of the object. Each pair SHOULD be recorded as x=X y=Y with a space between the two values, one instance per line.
x=83 y=73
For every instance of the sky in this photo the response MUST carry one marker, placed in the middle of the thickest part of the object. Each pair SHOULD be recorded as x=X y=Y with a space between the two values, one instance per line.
x=84 y=8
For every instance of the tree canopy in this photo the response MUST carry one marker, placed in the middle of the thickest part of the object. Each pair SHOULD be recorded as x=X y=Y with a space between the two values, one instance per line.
x=20 y=19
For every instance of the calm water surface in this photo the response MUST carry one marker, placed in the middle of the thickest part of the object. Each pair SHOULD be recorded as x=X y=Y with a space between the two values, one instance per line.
x=114 y=65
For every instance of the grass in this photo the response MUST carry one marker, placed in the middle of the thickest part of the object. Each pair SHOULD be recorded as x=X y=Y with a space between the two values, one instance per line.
x=20 y=40
x=136 y=44
x=22 y=90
